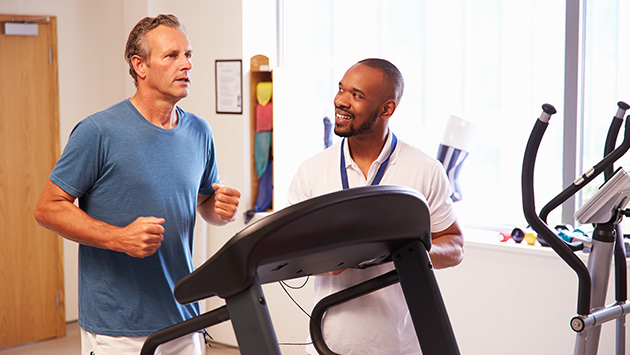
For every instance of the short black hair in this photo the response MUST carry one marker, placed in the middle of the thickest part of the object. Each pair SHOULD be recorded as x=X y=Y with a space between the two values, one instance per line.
x=391 y=73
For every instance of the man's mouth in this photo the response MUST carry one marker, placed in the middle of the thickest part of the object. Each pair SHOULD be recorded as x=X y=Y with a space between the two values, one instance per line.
x=184 y=80
x=342 y=116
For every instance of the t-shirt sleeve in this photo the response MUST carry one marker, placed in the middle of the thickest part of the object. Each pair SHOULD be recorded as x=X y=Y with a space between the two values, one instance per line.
x=78 y=168
x=211 y=173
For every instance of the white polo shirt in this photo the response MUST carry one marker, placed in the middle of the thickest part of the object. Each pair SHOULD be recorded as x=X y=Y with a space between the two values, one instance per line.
x=378 y=323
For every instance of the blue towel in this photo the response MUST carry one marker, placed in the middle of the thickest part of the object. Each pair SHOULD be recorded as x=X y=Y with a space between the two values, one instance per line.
x=262 y=147
x=265 y=190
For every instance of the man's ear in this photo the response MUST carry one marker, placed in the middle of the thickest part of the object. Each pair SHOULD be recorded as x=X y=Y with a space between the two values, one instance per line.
x=139 y=65
x=388 y=108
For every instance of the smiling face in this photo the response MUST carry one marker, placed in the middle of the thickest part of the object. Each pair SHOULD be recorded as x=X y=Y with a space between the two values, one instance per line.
x=167 y=70
x=358 y=103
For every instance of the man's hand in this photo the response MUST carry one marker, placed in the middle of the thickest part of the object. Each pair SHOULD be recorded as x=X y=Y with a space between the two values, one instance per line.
x=226 y=200
x=56 y=211
x=141 y=238
x=220 y=207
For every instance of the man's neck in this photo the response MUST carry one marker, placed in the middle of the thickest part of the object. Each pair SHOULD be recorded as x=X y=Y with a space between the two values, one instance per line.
x=158 y=112
x=364 y=150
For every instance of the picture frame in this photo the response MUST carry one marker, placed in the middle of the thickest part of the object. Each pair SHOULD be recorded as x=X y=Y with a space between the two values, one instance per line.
x=228 y=85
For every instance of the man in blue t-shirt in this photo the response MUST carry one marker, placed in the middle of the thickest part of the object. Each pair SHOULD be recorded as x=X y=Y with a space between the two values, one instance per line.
x=141 y=170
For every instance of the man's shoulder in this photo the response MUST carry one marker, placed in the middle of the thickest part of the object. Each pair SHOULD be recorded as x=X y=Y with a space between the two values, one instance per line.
x=192 y=119
x=114 y=112
x=412 y=152
x=117 y=108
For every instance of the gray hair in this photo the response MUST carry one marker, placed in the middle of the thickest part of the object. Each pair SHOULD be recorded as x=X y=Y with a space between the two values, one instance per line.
x=137 y=41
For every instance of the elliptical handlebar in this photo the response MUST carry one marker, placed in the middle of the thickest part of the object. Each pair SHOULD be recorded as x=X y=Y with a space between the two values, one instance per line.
x=537 y=224
x=621 y=277
x=611 y=137
x=606 y=163
x=548 y=111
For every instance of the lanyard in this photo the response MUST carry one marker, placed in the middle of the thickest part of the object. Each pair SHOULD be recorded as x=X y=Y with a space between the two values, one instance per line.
x=379 y=173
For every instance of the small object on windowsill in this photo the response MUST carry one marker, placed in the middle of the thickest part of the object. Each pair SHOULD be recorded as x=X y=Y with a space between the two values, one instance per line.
x=515 y=234
x=531 y=238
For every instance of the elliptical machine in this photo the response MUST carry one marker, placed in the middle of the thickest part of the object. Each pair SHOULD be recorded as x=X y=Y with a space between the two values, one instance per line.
x=605 y=209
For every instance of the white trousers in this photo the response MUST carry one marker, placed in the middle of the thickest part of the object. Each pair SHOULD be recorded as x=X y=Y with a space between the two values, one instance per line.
x=95 y=344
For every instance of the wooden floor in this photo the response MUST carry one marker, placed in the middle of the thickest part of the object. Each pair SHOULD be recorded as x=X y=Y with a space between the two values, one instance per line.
x=71 y=345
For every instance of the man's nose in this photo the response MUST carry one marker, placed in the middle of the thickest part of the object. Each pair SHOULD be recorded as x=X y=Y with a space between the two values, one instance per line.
x=340 y=100
x=186 y=62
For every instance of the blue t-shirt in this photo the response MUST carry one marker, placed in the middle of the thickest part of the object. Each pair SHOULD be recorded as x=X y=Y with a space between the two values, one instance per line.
x=122 y=167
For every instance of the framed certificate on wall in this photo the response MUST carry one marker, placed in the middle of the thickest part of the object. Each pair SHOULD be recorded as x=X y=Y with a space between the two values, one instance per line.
x=228 y=82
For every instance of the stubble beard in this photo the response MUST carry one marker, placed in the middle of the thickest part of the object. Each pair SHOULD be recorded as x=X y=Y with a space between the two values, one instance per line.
x=365 y=127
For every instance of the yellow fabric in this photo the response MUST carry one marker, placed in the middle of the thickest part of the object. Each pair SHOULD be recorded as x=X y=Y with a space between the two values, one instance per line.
x=263 y=92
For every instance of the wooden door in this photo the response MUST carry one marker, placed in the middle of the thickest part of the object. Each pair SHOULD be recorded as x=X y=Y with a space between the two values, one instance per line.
x=31 y=261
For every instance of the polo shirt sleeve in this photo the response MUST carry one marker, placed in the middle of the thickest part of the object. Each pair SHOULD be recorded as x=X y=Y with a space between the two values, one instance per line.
x=298 y=190
x=439 y=200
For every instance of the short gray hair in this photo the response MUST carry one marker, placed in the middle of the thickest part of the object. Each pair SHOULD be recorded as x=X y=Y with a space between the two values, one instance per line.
x=137 y=41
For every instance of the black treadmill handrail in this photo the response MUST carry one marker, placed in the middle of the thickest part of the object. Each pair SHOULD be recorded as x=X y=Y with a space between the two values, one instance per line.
x=350 y=293
x=543 y=230
x=243 y=255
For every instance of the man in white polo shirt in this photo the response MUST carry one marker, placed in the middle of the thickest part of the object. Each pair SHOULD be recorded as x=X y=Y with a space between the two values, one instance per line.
x=370 y=154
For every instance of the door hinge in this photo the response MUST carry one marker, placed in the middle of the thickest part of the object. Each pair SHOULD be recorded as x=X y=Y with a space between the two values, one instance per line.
x=49 y=55
x=57 y=300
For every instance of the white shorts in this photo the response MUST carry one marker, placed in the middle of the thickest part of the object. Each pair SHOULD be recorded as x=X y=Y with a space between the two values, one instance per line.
x=95 y=344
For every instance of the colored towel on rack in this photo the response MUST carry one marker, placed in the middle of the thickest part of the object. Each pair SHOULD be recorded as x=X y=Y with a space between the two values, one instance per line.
x=263 y=92
x=262 y=147
x=265 y=189
x=264 y=117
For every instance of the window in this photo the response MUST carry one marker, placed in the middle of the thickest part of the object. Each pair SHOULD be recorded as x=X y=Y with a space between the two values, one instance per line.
x=605 y=78
x=488 y=61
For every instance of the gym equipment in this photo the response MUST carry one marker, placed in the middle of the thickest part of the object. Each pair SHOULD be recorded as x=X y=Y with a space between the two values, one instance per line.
x=504 y=236
x=357 y=227
x=518 y=235
x=515 y=234
x=530 y=238
x=605 y=209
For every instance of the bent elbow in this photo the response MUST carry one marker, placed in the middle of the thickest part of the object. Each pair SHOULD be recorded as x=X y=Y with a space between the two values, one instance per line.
x=459 y=257
x=39 y=215
x=42 y=214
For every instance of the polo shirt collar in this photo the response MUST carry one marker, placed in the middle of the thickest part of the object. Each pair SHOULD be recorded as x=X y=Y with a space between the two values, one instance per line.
x=381 y=157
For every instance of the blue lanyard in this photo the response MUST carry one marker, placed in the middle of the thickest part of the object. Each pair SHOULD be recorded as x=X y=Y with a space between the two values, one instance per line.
x=379 y=173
